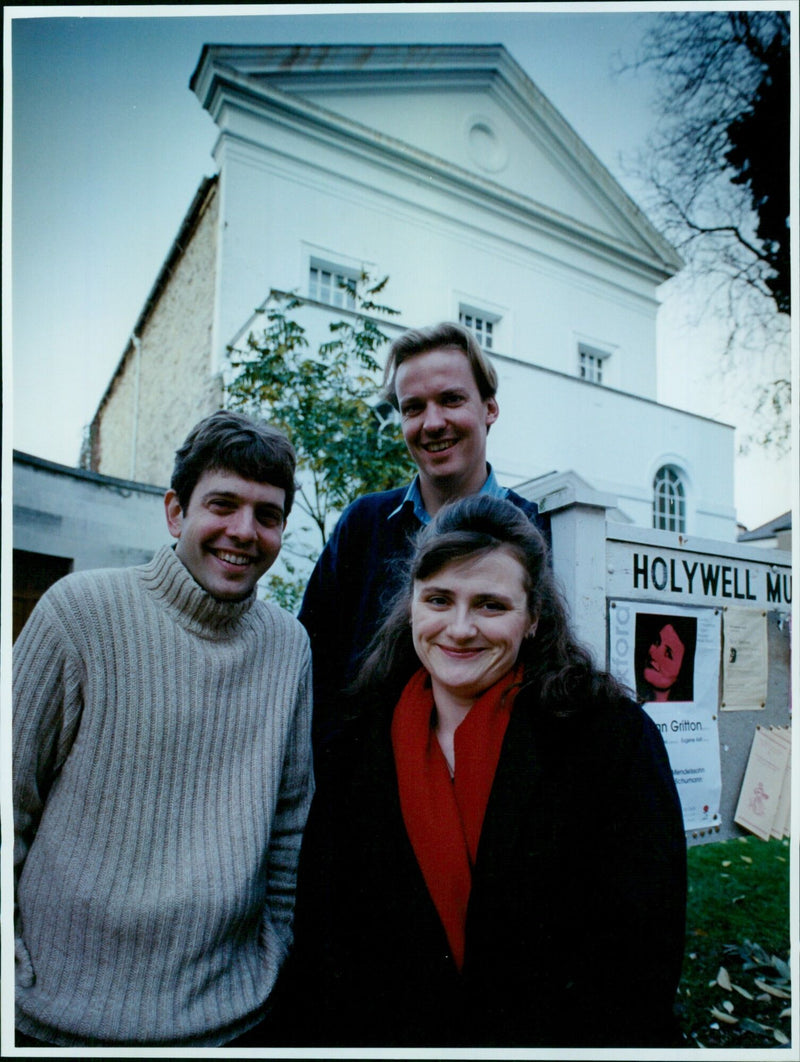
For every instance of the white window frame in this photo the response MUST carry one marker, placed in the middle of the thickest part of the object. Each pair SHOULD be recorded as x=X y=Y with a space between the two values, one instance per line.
x=669 y=499
x=331 y=284
x=592 y=363
x=483 y=325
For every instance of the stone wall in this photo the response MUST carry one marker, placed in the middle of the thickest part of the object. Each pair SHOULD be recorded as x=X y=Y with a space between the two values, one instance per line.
x=165 y=384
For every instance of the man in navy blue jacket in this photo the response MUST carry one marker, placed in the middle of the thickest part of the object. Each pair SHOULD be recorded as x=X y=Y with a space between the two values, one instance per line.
x=444 y=388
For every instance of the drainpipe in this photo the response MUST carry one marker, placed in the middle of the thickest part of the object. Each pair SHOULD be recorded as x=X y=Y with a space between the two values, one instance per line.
x=137 y=346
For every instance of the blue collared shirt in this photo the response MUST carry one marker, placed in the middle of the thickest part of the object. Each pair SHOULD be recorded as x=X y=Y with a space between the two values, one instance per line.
x=414 y=496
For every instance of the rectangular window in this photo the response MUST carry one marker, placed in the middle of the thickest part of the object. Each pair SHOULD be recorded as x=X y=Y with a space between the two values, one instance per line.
x=591 y=364
x=482 y=326
x=333 y=285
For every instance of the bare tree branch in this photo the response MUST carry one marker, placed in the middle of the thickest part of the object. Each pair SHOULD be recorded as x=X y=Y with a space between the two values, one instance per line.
x=718 y=176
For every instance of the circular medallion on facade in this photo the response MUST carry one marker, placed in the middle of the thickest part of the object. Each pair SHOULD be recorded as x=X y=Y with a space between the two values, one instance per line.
x=486 y=149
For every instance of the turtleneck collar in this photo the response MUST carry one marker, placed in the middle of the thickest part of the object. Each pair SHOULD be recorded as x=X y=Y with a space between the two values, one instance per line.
x=169 y=580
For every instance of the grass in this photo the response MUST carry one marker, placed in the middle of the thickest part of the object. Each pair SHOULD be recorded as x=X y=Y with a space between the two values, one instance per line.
x=735 y=987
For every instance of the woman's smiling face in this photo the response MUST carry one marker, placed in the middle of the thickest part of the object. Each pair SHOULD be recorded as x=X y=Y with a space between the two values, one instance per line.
x=468 y=621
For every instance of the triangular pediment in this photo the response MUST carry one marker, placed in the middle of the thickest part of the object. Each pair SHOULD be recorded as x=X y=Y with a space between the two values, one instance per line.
x=469 y=110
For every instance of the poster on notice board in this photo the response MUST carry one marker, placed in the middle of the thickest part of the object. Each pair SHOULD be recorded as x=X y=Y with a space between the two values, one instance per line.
x=669 y=658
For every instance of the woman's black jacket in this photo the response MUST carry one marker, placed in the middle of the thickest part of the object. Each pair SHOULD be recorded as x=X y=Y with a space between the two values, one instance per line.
x=575 y=925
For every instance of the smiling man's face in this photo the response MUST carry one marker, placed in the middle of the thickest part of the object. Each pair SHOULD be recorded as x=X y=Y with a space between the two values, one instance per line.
x=445 y=423
x=230 y=532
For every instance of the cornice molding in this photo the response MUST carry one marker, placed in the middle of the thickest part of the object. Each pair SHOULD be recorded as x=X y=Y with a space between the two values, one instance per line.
x=219 y=81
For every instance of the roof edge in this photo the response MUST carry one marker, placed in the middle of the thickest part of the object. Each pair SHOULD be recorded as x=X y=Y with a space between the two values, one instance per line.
x=180 y=243
x=100 y=478
x=271 y=66
x=297 y=109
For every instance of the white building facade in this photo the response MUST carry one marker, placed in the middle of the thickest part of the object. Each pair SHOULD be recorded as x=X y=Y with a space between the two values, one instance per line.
x=446 y=169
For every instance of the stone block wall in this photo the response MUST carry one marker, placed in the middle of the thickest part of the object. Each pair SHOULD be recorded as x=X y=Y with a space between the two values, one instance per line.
x=165 y=384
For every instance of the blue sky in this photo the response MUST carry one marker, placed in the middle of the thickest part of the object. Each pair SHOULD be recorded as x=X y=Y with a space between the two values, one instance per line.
x=108 y=146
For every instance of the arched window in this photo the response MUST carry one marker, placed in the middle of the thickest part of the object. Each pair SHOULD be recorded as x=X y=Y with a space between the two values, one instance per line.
x=669 y=500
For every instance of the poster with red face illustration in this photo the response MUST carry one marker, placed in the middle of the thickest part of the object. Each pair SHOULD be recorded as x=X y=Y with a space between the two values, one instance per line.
x=669 y=657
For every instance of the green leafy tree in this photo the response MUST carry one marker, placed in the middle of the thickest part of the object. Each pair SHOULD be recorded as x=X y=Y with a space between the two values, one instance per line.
x=325 y=400
x=717 y=170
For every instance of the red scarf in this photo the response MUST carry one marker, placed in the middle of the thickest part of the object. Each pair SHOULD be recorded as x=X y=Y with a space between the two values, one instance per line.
x=444 y=817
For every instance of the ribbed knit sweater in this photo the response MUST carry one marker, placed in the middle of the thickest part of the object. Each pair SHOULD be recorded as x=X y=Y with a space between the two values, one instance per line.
x=162 y=778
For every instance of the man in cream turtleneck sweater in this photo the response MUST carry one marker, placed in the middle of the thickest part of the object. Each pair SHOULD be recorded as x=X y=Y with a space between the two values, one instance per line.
x=162 y=770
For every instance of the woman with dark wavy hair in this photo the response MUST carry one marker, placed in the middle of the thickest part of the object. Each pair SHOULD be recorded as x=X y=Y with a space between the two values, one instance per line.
x=495 y=854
